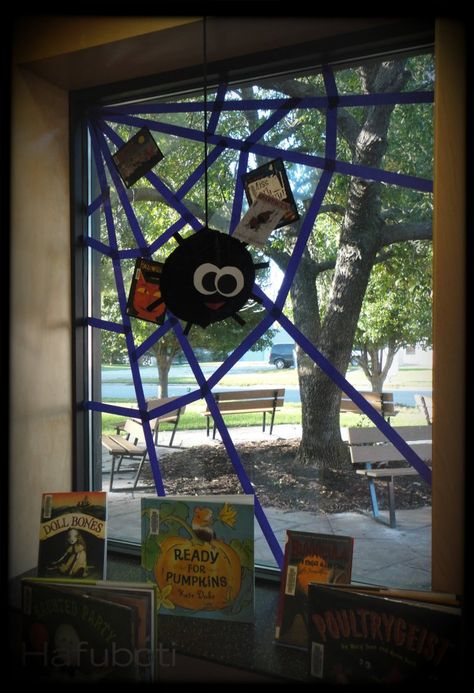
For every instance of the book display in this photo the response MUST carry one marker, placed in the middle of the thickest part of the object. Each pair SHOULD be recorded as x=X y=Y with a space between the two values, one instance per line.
x=200 y=552
x=197 y=560
x=72 y=537
x=359 y=637
x=309 y=557
x=137 y=156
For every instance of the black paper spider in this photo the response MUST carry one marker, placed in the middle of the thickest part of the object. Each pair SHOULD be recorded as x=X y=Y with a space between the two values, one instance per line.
x=208 y=278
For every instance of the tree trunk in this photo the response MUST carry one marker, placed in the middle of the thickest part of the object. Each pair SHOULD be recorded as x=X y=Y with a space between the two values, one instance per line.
x=321 y=445
x=165 y=351
x=164 y=366
x=374 y=367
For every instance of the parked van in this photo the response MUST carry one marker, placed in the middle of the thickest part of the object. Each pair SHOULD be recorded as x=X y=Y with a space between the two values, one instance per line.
x=283 y=355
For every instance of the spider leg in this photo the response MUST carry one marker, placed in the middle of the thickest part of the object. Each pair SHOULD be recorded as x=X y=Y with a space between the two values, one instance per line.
x=238 y=319
x=154 y=305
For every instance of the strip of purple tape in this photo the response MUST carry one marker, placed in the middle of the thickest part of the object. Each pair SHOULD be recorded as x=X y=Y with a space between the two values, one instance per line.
x=345 y=100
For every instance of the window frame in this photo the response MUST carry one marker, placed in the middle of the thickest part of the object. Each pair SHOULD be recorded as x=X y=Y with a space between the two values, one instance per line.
x=369 y=44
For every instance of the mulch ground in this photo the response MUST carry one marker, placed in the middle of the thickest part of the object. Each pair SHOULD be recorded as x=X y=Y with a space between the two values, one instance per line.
x=278 y=482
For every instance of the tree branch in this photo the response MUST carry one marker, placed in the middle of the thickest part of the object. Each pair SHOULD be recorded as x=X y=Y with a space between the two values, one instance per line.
x=152 y=195
x=280 y=257
x=333 y=207
x=397 y=233
x=330 y=263
x=346 y=123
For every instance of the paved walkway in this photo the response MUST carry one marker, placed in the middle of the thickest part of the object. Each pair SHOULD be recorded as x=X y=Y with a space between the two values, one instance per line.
x=395 y=557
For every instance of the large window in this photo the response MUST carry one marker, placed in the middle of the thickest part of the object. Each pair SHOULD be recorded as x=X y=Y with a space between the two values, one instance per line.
x=343 y=290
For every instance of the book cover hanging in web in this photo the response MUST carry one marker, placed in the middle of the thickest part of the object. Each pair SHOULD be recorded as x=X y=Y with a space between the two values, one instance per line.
x=137 y=157
x=144 y=299
x=260 y=219
x=272 y=180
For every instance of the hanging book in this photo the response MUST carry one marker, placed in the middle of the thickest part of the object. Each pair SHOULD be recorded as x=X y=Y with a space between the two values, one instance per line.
x=144 y=299
x=272 y=180
x=309 y=557
x=73 y=535
x=137 y=157
x=367 y=637
x=260 y=219
x=86 y=632
x=200 y=552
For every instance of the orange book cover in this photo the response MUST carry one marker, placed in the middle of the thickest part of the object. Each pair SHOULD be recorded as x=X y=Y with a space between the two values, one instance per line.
x=144 y=299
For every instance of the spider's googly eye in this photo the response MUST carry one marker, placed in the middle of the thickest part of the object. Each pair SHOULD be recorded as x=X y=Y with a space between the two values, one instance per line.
x=229 y=281
x=204 y=278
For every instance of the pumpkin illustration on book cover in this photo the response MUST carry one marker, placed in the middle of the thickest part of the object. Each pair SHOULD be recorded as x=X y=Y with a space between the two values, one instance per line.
x=204 y=572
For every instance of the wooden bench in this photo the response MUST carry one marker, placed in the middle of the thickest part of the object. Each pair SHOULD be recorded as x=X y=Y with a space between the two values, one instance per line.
x=370 y=448
x=171 y=417
x=121 y=447
x=381 y=401
x=129 y=441
x=247 y=401
x=425 y=405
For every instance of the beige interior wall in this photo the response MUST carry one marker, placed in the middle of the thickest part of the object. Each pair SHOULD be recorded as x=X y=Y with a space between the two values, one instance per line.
x=40 y=406
x=40 y=329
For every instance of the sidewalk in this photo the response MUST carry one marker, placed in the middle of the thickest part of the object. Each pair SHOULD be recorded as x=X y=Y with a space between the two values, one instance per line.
x=395 y=557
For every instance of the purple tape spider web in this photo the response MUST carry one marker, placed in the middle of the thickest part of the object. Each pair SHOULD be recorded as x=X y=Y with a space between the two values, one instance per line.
x=274 y=308
x=127 y=207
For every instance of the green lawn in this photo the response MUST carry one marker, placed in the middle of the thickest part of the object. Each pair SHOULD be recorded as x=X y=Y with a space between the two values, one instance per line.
x=408 y=377
x=193 y=419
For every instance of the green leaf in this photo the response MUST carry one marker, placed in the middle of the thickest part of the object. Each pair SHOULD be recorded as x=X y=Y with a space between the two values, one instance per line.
x=150 y=552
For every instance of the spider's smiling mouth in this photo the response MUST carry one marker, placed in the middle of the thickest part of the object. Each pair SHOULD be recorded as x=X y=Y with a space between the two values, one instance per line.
x=215 y=306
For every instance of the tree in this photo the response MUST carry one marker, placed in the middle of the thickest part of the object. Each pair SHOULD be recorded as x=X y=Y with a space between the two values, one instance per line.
x=396 y=311
x=373 y=218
